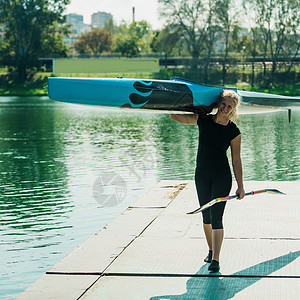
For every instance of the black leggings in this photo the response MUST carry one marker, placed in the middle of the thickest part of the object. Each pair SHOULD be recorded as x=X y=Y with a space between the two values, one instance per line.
x=213 y=182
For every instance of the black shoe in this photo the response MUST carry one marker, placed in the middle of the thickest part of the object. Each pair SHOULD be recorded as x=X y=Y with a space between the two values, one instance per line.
x=214 y=266
x=208 y=258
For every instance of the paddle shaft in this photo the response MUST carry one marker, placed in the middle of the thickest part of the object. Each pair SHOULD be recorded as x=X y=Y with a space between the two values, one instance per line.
x=247 y=194
x=220 y=199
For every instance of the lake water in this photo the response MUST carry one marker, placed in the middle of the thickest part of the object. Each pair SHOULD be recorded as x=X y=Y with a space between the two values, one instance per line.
x=57 y=161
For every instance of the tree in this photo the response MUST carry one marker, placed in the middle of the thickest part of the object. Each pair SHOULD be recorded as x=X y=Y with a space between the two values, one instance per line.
x=212 y=30
x=164 y=41
x=286 y=22
x=110 y=26
x=132 y=40
x=27 y=23
x=278 y=21
x=192 y=17
x=94 y=42
x=227 y=23
x=127 y=45
x=293 y=43
x=254 y=43
x=291 y=48
x=257 y=13
x=53 y=44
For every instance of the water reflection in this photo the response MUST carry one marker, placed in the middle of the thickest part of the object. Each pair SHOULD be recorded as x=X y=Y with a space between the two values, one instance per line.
x=271 y=146
x=52 y=153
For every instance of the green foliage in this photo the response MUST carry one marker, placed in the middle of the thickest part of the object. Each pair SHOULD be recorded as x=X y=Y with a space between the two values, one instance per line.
x=210 y=26
x=127 y=45
x=94 y=42
x=36 y=85
x=139 y=29
x=110 y=26
x=27 y=24
x=165 y=41
x=53 y=44
x=279 y=24
x=169 y=73
x=5 y=52
x=284 y=83
x=133 y=39
x=193 y=17
x=200 y=29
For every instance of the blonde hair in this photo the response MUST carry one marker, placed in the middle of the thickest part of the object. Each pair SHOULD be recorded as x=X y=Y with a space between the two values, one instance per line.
x=231 y=94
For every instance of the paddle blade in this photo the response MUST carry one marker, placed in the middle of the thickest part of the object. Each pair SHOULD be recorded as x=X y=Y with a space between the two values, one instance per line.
x=207 y=205
x=194 y=211
x=198 y=210
x=274 y=191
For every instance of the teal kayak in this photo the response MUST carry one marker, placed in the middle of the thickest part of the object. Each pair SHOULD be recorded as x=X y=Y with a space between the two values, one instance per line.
x=171 y=95
x=175 y=94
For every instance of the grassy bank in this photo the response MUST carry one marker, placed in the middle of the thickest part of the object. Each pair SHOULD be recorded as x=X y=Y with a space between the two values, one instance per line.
x=36 y=85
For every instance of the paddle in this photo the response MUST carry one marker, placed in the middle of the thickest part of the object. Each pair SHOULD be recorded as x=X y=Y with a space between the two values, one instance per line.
x=214 y=201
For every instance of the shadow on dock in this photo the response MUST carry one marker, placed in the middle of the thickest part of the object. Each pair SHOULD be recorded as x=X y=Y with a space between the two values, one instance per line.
x=204 y=285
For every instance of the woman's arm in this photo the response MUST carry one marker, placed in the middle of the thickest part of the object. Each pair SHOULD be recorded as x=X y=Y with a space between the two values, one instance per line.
x=237 y=165
x=189 y=119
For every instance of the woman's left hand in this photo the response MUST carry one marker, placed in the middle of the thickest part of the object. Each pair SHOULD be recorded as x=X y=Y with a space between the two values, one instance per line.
x=241 y=193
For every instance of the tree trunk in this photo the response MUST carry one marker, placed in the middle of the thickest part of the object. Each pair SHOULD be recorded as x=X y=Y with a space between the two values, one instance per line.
x=274 y=66
x=224 y=63
x=21 y=68
x=206 y=70
x=224 y=72
x=195 y=59
x=166 y=60
x=22 y=73
x=265 y=66
x=266 y=41
x=293 y=59
x=22 y=56
x=253 y=72
x=207 y=63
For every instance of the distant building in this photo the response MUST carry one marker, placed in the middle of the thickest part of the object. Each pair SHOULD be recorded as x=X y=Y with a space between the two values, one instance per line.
x=77 y=28
x=76 y=21
x=100 y=18
x=86 y=28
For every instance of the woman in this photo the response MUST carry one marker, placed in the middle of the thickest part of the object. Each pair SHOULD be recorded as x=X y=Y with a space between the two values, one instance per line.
x=213 y=176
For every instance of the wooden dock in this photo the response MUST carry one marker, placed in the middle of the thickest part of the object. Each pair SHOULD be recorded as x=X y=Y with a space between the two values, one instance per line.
x=154 y=250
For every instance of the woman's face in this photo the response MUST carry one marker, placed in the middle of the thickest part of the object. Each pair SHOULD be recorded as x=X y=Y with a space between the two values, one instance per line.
x=226 y=106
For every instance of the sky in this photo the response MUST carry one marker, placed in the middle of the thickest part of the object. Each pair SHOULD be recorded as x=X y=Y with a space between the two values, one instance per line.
x=120 y=9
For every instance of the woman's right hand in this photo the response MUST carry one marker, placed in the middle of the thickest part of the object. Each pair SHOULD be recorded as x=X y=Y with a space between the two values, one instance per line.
x=203 y=110
x=240 y=192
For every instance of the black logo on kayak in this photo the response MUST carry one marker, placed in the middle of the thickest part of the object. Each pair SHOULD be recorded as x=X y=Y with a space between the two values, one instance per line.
x=161 y=95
